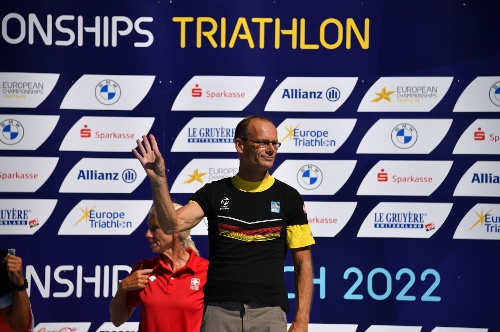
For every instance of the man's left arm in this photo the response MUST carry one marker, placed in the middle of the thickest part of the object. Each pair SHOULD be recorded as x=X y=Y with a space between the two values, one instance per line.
x=303 y=278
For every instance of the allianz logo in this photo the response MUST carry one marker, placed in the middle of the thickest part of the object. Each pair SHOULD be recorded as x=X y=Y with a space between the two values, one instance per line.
x=485 y=178
x=128 y=175
x=332 y=94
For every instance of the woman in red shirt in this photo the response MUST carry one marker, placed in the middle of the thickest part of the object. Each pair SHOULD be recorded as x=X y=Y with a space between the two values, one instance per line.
x=168 y=287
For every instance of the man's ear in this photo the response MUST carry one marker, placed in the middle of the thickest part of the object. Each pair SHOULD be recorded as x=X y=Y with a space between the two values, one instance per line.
x=238 y=144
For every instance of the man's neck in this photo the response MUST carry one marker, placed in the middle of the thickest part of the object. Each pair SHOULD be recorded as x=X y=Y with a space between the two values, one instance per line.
x=253 y=176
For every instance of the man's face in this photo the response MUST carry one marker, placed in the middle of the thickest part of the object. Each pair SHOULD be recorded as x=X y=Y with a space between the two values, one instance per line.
x=254 y=156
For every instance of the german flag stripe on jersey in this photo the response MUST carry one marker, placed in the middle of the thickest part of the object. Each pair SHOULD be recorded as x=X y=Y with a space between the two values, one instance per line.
x=249 y=235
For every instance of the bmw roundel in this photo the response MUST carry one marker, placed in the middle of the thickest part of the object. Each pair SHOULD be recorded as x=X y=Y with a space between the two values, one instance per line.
x=404 y=135
x=12 y=131
x=495 y=93
x=107 y=92
x=309 y=177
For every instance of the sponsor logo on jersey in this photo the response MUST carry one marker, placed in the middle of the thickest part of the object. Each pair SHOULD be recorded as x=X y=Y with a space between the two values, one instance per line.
x=315 y=177
x=104 y=175
x=481 y=179
x=26 y=90
x=481 y=95
x=25 y=174
x=405 y=94
x=404 y=136
x=314 y=135
x=404 y=178
x=106 y=134
x=218 y=93
x=195 y=284
x=311 y=94
x=24 y=216
x=405 y=220
x=200 y=171
x=111 y=217
x=482 y=222
x=107 y=92
x=481 y=137
x=207 y=134
x=275 y=207
x=224 y=203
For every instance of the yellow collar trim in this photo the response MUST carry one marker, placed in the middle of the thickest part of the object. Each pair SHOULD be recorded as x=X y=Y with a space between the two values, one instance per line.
x=248 y=186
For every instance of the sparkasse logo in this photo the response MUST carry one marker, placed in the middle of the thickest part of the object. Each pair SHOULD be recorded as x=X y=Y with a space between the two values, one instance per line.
x=481 y=137
x=217 y=93
x=404 y=178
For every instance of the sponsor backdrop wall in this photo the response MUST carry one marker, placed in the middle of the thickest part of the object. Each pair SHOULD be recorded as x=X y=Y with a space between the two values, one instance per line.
x=389 y=118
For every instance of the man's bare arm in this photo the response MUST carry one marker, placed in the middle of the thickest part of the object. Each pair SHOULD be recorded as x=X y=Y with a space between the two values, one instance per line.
x=303 y=278
x=171 y=220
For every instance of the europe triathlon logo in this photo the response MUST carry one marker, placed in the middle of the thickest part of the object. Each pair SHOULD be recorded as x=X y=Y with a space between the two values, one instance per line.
x=105 y=217
x=482 y=222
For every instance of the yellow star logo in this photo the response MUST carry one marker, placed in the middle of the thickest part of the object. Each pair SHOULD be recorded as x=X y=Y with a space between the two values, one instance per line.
x=290 y=132
x=195 y=177
x=383 y=95
x=86 y=214
x=481 y=218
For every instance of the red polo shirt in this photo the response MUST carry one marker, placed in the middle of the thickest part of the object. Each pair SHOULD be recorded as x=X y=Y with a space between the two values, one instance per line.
x=171 y=301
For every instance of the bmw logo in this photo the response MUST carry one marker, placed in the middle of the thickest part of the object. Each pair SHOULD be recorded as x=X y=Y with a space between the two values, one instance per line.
x=12 y=131
x=404 y=136
x=495 y=93
x=107 y=92
x=309 y=177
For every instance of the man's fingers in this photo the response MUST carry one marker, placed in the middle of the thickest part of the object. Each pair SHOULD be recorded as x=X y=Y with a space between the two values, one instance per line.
x=140 y=147
x=136 y=154
x=145 y=141
x=153 y=142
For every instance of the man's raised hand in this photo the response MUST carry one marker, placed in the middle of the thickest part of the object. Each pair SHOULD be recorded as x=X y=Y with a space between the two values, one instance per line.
x=150 y=157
